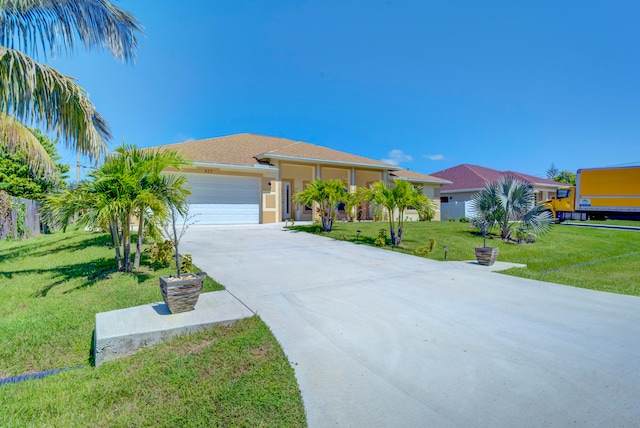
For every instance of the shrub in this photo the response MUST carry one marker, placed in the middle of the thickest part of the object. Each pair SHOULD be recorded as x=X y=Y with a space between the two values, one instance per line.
x=186 y=263
x=422 y=251
x=432 y=243
x=381 y=240
x=162 y=253
x=425 y=250
x=463 y=220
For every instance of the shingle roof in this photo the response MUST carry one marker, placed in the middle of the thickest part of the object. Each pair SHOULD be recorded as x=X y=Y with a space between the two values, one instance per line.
x=247 y=149
x=307 y=151
x=472 y=177
x=417 y=177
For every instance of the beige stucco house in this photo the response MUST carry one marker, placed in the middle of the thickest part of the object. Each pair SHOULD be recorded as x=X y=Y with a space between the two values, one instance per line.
x=248 y=178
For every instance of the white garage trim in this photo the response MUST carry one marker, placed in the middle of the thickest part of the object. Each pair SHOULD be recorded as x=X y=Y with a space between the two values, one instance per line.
x=223 y=199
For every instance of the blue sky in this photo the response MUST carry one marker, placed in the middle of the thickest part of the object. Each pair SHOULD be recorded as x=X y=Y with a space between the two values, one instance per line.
x=426 y=84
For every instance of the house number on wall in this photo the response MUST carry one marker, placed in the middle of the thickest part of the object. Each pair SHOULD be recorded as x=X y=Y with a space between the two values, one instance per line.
x=208 y=171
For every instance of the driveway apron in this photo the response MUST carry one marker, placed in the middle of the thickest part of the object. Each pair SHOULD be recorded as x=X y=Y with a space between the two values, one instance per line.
x=379 y=338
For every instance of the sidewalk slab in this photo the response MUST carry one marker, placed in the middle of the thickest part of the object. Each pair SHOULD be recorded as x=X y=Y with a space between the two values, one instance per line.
x=122 y=332
x=496 y=267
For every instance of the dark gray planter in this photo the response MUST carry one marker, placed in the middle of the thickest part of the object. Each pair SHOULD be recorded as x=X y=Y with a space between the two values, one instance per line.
x=181 y=294
x=486 y=256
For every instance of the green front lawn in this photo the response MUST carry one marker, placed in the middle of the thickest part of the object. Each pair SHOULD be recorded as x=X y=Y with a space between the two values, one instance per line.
x=51 y=288
x=599 y=259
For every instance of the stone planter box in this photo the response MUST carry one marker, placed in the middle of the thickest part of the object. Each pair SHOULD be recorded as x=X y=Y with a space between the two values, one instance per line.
x=486 y=256
x=181 y=294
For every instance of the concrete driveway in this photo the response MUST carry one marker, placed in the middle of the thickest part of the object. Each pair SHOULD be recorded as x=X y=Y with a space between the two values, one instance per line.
x=385 y=339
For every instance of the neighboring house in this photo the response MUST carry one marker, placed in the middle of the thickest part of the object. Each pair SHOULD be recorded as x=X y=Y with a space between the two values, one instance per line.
x=248 y=178
x=430 y=185
x=467 y=180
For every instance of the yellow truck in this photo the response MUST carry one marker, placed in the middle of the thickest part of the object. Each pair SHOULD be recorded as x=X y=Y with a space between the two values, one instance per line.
x=599 y=193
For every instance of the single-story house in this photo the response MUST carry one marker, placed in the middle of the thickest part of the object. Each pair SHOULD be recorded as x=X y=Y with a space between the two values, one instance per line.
x=248 y=178
x=467 y=180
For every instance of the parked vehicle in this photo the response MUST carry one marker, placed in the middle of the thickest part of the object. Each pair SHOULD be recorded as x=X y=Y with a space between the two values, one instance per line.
x=599 y=193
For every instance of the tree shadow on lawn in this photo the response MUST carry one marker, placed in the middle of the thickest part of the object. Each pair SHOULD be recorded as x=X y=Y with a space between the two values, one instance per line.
x=37 y=249
x=26 y=246
x=89 y=273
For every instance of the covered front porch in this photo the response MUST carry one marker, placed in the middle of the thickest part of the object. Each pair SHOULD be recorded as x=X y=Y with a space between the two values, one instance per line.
x=277 y=199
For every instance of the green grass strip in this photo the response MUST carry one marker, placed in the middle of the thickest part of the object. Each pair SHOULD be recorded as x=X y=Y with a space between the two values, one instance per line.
x=51 y=288
x=589 y=262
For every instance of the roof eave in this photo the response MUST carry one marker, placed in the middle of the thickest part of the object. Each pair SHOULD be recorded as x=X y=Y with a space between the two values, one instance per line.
x=462 y=190
x=548 y=184
x=327 y=162
x=426 y=181
x=257 y=167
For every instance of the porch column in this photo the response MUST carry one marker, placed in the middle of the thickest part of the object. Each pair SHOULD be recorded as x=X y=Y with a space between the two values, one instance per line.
x=276 y=188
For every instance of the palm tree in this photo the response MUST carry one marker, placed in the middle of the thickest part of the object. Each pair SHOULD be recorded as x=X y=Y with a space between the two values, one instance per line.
x=509 y=203
x=425 y=206
x=129 y=184
x=134 y=179
x=154 y=192
x=94 y=206
x=34 y=93
x=395 y=200
x=327 y=194
x=352 y=202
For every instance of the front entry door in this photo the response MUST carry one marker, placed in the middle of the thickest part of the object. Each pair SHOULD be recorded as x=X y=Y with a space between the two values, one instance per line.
x=286 y=200
x=366 y=209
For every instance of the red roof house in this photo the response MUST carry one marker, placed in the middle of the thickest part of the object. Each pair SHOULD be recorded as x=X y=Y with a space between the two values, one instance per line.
x=468 y=179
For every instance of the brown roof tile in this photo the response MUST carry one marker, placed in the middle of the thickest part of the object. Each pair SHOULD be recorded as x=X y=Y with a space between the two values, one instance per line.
x=301 y=150
x=239 y=149
x=417 y=177
x=246 y=149
x=472 y=177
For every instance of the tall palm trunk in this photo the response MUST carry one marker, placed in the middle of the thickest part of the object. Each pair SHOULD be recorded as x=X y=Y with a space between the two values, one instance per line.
x=126 y=241
x=115 y=237
x=392 y=226
x=329 y=223
x=136 y=260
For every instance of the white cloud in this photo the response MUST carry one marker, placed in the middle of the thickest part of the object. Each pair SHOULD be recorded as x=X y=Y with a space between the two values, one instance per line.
x=435 y=157
x=396 y=156
x=181 y=138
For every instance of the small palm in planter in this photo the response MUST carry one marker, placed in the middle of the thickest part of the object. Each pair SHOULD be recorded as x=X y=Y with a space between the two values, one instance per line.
x=507 y=203
x=485 y=256
x=180 y=292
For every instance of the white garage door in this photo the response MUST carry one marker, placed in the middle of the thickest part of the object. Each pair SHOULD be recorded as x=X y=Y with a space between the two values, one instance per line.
x=220 y=199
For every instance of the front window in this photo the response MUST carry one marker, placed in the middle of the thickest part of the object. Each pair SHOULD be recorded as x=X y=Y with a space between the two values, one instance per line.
x=564 y=193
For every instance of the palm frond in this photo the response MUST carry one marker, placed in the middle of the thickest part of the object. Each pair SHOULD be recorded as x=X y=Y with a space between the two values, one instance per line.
x=35 y=92
x=49 y=26
x=508 y=203
x=16 y=137
x=538 y=220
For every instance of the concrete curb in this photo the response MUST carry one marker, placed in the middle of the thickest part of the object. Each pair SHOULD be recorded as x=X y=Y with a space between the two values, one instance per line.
x=122 y=332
